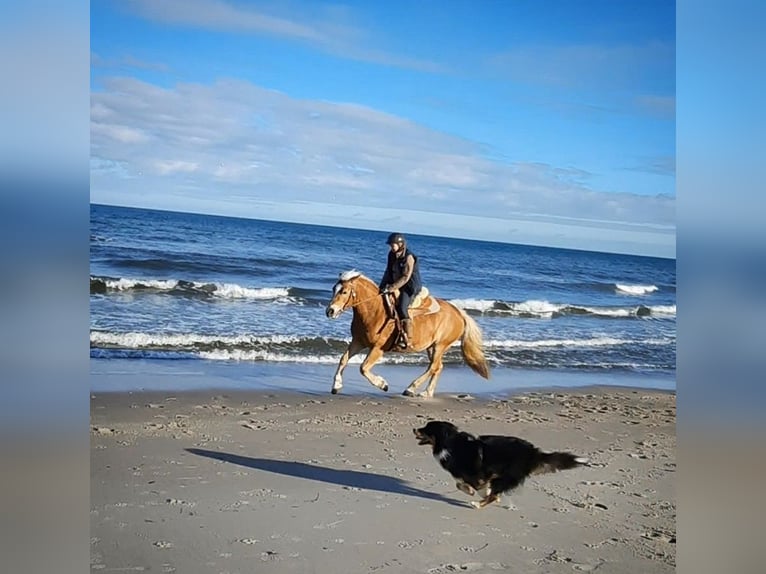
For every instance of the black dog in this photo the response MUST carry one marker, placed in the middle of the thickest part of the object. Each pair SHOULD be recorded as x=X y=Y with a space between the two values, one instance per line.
x=495 y=463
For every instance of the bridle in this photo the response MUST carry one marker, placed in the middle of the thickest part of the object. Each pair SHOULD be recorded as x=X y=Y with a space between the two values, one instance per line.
x=352 y=295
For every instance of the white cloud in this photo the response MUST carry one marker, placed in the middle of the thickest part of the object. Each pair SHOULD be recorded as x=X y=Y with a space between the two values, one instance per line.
x=236 y=144
x=219 y=15
x=167 y=167
x=329 y=28
x=116 y=132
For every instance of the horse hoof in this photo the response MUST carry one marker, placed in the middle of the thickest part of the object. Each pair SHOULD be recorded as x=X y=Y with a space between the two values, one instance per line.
x=408 y=393
x=334 y=391
x=384 y=388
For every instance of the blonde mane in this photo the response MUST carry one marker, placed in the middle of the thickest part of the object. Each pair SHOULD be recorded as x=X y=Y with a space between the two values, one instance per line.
x=349 y=275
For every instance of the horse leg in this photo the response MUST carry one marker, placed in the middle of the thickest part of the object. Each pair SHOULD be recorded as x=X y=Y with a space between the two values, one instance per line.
x=437 y=371
x=433 y=370
x=353 y=348
x=366 y=369
x=437 y=367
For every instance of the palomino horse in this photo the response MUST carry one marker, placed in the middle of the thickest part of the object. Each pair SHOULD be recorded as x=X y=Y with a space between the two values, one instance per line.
x=373 y=329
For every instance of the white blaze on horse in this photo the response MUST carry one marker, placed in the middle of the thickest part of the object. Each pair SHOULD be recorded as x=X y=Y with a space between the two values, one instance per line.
x=436 y=324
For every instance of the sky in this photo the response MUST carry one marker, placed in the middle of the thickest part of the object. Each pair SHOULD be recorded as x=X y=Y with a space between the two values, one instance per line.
x=546 y=123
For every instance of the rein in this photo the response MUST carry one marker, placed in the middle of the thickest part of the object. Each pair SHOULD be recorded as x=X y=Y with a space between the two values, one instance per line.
x=365 y=300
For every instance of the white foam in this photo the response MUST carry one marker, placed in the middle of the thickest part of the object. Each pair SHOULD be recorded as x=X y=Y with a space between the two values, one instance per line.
x=180 y=340
x=592 y=342
x=535 y=307
x=474 y=304
x=222 y=290
x=531 y=307
x=612 y=311
x=636 y=289
x=234 y=291
x=249 y=355
x=126 y=284
x=663 y=309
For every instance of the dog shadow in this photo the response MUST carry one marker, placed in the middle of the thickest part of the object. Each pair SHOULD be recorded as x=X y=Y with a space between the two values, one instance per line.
x=350 y=478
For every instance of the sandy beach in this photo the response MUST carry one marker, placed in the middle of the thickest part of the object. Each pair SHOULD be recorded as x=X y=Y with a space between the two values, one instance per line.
x=238 y=481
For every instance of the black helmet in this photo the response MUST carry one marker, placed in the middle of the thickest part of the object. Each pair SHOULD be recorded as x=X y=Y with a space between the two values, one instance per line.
x=395 y=238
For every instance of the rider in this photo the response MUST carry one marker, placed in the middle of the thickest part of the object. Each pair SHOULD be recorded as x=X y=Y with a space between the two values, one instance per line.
x=402 y=273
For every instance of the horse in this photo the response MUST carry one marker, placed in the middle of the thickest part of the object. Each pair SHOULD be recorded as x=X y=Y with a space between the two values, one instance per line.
x=373 y=328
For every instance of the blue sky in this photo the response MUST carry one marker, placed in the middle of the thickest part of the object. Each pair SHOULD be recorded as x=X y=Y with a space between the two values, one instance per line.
x=549 y=123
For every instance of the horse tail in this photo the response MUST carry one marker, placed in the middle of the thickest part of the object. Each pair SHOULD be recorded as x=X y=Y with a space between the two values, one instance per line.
x=472 y=346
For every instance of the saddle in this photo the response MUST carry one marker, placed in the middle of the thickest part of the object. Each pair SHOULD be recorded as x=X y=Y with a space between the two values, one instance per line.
x=422 y=304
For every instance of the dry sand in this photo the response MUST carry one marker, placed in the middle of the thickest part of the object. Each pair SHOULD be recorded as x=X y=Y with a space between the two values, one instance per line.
x=254 y=482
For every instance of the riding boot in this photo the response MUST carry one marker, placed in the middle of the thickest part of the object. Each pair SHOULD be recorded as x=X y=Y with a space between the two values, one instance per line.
x=406 y=340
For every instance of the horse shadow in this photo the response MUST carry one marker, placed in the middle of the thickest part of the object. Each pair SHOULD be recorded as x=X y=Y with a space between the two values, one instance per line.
x=350 y=478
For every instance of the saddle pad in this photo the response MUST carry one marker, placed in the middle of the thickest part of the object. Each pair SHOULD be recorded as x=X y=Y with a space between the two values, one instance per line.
x=424 y=304
x=420 y=298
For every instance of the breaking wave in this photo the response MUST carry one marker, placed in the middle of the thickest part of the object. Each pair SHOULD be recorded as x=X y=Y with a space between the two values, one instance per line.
x=547 y=310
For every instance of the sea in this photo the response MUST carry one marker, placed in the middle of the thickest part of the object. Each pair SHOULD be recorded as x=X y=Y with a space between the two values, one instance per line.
x=181 y=300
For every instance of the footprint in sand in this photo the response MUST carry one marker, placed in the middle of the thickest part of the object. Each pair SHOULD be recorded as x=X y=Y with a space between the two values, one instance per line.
x=612 y=540
x=249 y=541
x=473 y=548
x=466 y=567
x=176 y=502
x=270 y=555
x=661 y=536
x=587 y=567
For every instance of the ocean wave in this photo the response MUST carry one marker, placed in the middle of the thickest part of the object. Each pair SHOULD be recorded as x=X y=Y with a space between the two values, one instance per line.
x=547 y=310
x=243 y=355
x=291 y=295
x=635 y=289
x=182 y=341
x=518 y=358
x=138 y=340
x=101 y=285
x=545 y=353
x=669 y=310
x=572 y=343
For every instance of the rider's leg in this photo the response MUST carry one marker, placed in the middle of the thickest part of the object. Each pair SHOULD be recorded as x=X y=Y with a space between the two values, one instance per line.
x=402 y=308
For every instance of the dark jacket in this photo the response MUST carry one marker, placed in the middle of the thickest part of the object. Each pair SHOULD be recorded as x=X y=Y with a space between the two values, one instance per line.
x=395 y=270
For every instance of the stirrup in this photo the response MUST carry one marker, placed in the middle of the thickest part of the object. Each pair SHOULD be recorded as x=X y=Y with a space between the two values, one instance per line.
x=402 y=342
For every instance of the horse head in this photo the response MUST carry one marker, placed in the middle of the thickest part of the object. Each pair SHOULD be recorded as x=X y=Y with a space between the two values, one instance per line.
x=344 y=294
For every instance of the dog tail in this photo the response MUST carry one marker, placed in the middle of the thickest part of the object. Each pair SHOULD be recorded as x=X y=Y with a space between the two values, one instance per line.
x=472 y=346
x=555 y=461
